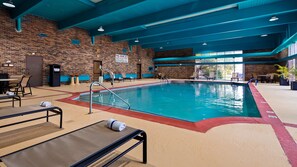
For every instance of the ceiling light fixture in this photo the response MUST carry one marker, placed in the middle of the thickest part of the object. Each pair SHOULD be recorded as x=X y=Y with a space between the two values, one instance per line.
x=161 y=47
x=136 y=40
x=101 y=29
x=9 y=4
x=204 y=44
x=273 y=18
x=264 y=35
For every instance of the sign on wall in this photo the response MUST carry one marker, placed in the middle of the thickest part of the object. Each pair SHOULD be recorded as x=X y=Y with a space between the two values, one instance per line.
x=121 y=58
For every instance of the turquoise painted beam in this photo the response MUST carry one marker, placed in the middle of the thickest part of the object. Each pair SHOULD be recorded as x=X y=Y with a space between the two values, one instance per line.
x=167 y=15
x=218 y=63
x=218 y=18
x=102 y=8
x=258 y=54
x=218 y=37
x=92 y=40
x=249 y=43
x=18 y=24
x=286 y=43
x=231 y=27
x=24 y=8
x=87 y=2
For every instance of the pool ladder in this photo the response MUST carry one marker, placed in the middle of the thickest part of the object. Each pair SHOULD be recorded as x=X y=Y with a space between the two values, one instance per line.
x=100 y=84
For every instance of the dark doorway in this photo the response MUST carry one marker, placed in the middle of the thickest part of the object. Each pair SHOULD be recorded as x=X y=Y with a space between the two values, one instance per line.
x=34 y=68
x=138 y=71
x=97 y=69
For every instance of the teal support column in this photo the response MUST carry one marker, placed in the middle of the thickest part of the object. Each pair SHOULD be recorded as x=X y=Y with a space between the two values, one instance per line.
x=93 y=40
x=18 y=24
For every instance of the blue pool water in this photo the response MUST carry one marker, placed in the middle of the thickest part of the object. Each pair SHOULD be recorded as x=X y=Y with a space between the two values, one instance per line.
x=184 y=101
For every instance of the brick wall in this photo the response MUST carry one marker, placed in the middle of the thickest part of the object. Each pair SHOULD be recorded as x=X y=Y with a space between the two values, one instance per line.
x=178 y=72
x=262 y=69
x=57 y=48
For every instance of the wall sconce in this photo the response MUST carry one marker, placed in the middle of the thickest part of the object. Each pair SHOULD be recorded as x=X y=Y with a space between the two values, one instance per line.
x=7 y=64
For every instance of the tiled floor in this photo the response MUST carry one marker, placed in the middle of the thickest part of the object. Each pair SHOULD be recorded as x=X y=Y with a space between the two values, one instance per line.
x=238 y=144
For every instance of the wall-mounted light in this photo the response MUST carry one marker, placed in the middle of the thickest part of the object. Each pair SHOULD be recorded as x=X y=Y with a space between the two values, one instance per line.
x=264 y=35
x=273 y=18
x=9 y=4
x=100 y=29
x=204 y=44
x=136 y=40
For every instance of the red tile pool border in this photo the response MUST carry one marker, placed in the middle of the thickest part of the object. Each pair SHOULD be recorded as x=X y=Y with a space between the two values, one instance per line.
x=268 y=117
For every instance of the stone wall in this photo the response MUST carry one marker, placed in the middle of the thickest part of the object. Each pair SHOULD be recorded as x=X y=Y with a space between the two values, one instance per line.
x=177 y=72
x=41 y=37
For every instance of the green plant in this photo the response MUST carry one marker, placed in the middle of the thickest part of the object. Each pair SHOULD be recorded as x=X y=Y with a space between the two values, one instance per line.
x=283 y=71
x=293 y=71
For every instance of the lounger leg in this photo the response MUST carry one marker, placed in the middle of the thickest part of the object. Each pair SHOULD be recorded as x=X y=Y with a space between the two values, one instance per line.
x=61 y=118
x=144 y=148
x=13 y=102
x=47 y=116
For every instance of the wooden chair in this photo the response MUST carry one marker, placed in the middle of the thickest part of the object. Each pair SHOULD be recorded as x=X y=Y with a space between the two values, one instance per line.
x=24 y=84
x=211 y=76
x=235 y=76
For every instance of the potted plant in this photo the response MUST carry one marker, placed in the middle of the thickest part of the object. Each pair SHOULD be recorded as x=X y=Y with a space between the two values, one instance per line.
x=293 y=71
x=283 y=75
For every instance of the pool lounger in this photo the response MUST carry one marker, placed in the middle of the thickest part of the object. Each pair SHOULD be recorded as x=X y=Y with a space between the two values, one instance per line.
x=26 y=110
x=81 y=147
x=12 y=97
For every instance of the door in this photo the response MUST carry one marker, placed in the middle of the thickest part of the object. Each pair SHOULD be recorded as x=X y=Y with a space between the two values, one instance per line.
x=97 y=65
x=138 y=71
x=34 y=68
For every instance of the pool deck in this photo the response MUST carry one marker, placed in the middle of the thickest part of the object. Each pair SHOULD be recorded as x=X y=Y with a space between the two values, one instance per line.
x=269 y=142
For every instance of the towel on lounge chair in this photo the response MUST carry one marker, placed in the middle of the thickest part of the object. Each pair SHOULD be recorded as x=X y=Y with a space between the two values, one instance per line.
x=115 y=125
x=45 y=104
x=9 y=93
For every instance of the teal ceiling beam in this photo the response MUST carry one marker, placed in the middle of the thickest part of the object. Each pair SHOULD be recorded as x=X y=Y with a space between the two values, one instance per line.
x=217 y=37
x=24 y=8
x=87 y=2
x=165 y=16
x=249 y=43
x=286 y=43
x=18 y=24
x=258 y=54
x=101 y=9
x=225 y=28
x=218 y=18
x=219 y=63
x=93 y=40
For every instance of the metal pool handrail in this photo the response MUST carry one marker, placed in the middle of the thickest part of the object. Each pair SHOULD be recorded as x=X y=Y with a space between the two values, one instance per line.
x=100 y=84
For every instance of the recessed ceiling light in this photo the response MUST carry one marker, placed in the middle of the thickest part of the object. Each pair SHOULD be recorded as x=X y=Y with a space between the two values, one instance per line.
x=101 y=29
x=9 y=4
x=264 y=35
x=273 y=18
x=136 y=40
x=204 y=44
